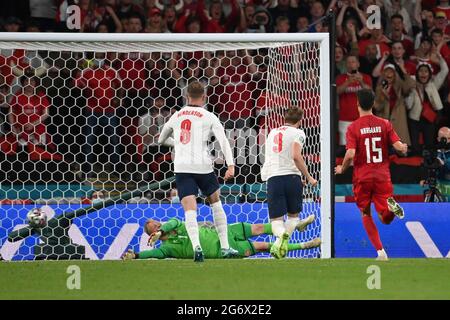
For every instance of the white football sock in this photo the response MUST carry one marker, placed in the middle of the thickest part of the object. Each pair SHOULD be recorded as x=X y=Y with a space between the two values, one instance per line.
x=220 y=221
x=291 y=224
x=192 y=227
x=278 y=228
x=382 y=253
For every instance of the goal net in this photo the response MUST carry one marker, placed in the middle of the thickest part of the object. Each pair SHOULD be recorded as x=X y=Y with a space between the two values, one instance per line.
x=81 y=115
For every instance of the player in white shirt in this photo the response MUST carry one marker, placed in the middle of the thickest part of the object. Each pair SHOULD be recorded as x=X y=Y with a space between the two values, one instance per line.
x=282 y=169
x=189 y=131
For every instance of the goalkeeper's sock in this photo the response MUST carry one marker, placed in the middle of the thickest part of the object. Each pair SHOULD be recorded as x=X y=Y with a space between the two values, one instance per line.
x=291 y=246
x=220 y=221
x=291 y=224
x=372 y=232
x=267 y=228
x=192 y=228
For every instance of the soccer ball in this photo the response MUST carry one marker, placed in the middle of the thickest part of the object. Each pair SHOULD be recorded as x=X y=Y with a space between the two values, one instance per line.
x=37 y=218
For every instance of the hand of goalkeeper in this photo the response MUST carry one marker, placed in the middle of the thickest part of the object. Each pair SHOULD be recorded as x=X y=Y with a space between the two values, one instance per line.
x=154 y=237
x=129 y=255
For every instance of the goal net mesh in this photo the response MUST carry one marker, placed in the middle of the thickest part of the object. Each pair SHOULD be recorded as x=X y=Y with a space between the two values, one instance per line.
x=80 y=123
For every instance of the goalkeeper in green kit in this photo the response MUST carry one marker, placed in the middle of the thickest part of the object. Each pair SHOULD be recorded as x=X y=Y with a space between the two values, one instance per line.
x=176 y=243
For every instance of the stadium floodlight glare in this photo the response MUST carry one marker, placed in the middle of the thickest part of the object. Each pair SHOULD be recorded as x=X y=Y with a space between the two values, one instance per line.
x=250 y=78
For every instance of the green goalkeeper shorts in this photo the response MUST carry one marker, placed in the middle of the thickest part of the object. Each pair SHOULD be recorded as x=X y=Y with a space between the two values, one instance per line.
x=238 y=234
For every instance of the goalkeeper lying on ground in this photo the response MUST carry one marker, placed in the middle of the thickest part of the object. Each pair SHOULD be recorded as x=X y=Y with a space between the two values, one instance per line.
x=176 y=243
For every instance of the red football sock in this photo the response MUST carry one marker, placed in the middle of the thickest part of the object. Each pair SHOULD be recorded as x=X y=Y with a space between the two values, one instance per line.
x=372 y=232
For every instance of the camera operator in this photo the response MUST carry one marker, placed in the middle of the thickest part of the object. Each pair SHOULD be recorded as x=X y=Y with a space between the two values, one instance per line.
x=436 y=163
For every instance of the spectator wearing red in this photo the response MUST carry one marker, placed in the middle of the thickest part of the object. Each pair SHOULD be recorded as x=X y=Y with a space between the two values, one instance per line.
x=379 y=39
x=347 y=86
x=188 y=23
x=393 y=87
x=441 y=22
x=106 y=18
x=231 y=89
x=349 y=19
x=398 y=34
x=396 y=56
x=427 y=53
x=155 y=23
x=9 y=60
x=215 y=21
x=443 y=6
x=246 y=18
x=440 y=43
x=28 y=113
x=100 y=86
x=170 y=18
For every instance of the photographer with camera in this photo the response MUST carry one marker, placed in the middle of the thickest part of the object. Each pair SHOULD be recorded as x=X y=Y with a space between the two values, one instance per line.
x=394 y=85
x=436 y=167
x=424 y=104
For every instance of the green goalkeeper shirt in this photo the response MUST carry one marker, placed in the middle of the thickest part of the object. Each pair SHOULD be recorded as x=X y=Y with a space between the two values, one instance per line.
x=178 y=245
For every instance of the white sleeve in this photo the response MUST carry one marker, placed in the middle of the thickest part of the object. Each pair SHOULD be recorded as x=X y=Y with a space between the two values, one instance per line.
x=170 y=142
x=166 y=132
x=300 y=138
x=219 y=132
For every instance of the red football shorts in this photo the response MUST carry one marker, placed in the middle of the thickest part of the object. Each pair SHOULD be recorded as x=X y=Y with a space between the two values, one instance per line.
x=372 y=191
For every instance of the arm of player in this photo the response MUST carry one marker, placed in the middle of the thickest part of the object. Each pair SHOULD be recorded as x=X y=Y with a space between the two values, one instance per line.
x=300 y=163
x=348 y=159
x=219 y=132
x=146 y=254
x=401 y=147
x=170 y=225
x=166 y=133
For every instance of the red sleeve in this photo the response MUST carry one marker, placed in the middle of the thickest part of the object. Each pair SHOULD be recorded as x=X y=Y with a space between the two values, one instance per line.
x=392 y=135
x=367 y=79
x=232 y=17
x=340 y=79
x=362 y=47
x=201 y=13
x=180 y=24
x=351 y=137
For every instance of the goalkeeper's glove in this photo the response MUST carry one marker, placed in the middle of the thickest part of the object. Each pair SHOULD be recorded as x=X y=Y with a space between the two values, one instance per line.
x=129 y=255
x=154 y=237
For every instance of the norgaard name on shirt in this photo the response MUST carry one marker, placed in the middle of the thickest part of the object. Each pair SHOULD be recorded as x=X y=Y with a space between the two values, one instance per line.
x=190 y=113
x=370 y=130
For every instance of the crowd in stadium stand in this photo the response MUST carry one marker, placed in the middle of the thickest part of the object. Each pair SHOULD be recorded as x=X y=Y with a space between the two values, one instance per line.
x=405 y=61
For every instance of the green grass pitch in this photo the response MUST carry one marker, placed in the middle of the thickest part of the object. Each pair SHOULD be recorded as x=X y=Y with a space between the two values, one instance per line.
x=228 y=279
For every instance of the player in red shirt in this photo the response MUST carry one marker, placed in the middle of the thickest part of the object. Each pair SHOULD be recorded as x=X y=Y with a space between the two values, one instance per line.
x=368 y=141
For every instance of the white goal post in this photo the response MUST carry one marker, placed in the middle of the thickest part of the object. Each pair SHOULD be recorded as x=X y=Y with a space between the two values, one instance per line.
x=170 y=43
